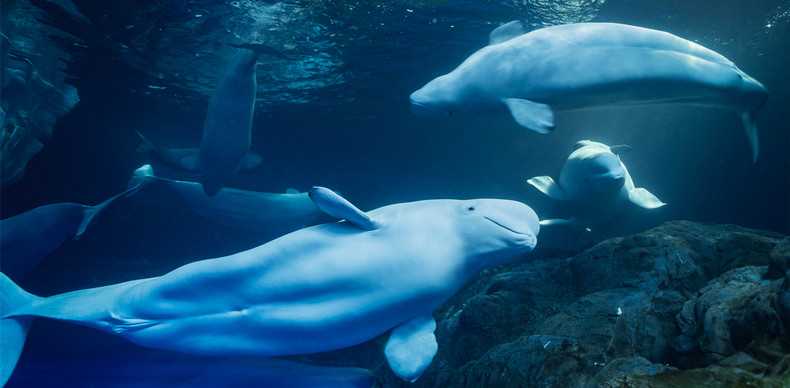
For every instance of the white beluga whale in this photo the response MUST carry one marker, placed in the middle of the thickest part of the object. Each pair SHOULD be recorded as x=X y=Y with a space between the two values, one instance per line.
x=273 y=214
x=594 y=185
x=25 y=239
x=320 y=288
x=228 y=124
x=590 y=66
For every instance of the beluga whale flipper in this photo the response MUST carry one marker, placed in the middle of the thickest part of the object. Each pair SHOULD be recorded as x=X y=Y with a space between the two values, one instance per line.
x=320 y=288
x=226 y=129
x=594 y=185
x=590 y=66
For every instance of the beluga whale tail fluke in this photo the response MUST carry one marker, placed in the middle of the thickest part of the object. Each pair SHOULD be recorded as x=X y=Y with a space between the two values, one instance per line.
x=587 y=66
x=227 y=128
x=13 y=332
x=29 y=237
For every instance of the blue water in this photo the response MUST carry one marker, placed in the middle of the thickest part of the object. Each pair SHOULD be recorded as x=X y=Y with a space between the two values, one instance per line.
x=339 y=117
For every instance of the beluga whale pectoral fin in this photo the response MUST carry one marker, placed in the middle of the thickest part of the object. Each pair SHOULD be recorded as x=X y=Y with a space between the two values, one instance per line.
x=411 y=347
x=532 y=115
x=507 y=32
x=547 y=186
x=750 y=128
x=572 y=223
x=336 y=206
x=644 y=198
x=555 y=221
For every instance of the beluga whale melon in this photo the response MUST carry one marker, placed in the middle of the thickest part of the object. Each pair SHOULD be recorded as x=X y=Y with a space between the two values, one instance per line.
x=320 y=288
x=590 y=66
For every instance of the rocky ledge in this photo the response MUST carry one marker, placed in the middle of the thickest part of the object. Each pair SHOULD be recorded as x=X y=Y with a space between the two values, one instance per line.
x=683 y=305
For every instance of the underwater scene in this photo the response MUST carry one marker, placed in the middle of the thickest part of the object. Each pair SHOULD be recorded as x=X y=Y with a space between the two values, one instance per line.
x=407 y=193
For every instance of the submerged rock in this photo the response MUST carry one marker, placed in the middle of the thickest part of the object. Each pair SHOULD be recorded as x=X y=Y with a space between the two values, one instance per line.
x=29 y=108
x=684 y=304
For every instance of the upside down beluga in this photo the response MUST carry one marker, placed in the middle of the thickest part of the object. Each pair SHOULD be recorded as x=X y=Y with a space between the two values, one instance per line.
x=320 y=288
x=590 y=66
x=225 y=145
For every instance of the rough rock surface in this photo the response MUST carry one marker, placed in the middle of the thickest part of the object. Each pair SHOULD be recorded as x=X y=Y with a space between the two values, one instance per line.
x=684 y=304
x=29 y=104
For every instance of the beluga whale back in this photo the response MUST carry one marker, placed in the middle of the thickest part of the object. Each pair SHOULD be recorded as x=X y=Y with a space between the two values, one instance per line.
x=590 y=66
x=320 y=288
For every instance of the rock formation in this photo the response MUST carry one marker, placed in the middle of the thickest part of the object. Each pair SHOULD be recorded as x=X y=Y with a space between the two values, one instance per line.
x=684 y=304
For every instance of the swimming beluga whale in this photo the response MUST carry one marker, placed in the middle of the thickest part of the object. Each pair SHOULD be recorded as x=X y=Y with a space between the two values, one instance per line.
x=594 y=185
x=320 y=288
x=272 y=214
x=226 y=129
x=590 y=66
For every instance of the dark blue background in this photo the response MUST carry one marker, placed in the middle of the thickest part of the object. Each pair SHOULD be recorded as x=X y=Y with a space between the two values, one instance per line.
x=361 y=139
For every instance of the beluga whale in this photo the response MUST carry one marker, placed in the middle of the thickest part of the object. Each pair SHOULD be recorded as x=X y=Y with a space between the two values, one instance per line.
x=227 y=127
x=594 y=186
x=27 y=238
x=320 y=288
x=590 y=66
x=270 y=214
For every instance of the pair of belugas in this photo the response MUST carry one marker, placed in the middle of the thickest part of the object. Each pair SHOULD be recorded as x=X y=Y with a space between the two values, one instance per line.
x=339 y=284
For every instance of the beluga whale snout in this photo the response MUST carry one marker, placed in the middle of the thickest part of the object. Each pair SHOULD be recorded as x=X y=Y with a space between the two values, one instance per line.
x=588 y=66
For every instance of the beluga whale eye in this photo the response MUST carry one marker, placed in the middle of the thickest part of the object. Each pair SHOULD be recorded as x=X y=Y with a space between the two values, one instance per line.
x=470 y=208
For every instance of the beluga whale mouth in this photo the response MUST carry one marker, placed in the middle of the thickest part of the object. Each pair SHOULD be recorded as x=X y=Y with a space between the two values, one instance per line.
x=427 y=111
x=503 y=226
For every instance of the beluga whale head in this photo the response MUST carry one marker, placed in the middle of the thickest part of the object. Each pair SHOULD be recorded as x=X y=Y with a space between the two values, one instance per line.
x=602 y=173
x=495 y=230
x=437 y=98
x=594 y=169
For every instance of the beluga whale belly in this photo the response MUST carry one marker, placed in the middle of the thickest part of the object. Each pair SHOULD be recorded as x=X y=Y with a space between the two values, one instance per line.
x=590 y=66
x=320 y=288
x=594 y=185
